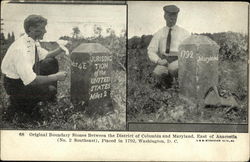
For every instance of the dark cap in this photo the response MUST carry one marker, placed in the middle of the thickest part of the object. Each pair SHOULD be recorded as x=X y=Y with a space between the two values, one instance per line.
x=171 y=9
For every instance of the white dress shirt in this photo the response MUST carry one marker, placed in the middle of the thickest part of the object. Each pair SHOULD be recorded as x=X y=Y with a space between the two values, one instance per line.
x=157 y=46
x=20 y=57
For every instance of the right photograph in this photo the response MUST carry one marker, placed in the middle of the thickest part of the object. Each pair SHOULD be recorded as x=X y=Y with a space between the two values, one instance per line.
x=187 y=62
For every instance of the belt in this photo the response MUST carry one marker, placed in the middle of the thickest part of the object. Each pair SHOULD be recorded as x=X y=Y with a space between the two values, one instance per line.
x=170 y=57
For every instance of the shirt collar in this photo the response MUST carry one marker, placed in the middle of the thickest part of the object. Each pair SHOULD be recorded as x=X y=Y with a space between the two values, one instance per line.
x=173 y=27
x=30 y=40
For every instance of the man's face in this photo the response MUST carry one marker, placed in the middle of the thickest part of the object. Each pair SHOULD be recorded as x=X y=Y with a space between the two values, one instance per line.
x=38 y=32
x=170 y=18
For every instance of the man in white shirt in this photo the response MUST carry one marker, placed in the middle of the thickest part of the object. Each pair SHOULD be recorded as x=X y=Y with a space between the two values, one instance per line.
x=163 y=48
x=30 y=72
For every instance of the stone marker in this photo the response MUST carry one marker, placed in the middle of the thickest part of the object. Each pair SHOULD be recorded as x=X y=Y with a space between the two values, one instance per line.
x=198 y=67
x=91 y=69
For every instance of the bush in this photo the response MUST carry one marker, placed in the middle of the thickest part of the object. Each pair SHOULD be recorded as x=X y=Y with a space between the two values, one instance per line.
x=233 y=46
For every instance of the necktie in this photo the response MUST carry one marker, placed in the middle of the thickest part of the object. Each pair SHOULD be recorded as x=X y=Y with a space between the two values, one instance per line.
x=168 y=41
x=36 y=61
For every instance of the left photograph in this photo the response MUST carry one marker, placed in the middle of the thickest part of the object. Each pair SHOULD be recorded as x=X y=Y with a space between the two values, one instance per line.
x=63 y=66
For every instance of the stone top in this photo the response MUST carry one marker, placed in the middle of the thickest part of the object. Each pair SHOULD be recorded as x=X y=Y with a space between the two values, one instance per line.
x=90 y=48
x=199 y=40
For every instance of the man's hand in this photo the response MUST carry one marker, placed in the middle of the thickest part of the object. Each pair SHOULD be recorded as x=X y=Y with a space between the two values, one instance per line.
x=40 y=79
x=62 y=44
x=162 y=62
x=61 y=75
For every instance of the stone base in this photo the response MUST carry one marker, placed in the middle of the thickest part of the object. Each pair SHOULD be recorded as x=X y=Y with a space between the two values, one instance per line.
x=100 y=109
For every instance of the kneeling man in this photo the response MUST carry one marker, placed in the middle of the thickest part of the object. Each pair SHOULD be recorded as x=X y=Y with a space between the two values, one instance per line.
x=163 y=48
x=30 y=72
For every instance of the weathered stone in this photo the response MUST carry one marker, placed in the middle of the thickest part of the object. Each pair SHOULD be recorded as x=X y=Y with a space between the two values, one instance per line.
x=198 y=67
x=91 y=69
x=212 y=99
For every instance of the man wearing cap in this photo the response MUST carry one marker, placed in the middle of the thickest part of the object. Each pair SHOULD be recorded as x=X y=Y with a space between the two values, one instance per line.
x=30 y=72
x=163 y=48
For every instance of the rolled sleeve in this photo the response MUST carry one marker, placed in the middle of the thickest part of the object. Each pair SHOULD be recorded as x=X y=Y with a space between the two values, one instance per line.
x=24 y=69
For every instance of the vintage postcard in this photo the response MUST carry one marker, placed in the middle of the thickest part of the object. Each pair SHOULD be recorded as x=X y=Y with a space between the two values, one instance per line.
x=124 y=81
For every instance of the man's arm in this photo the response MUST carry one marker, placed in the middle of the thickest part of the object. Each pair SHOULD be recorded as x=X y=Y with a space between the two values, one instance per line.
x=27 y=75
x=153 y=50
x=59 y=50
x=60 y=76
x=55 y=52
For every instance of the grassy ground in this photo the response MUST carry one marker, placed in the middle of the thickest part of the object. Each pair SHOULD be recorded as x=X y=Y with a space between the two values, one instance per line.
x=63 y=116
x=149 y=104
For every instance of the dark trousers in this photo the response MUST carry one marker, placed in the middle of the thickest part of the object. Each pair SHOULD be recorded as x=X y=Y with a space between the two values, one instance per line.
x=25 y=98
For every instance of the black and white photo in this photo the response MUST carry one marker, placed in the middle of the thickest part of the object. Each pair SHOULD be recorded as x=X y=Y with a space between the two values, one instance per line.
x=124 y=80
x=63 y=66
x=187 y=62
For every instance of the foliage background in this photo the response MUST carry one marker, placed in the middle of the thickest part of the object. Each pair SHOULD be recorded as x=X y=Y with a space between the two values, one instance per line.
x=147 y=103
x=63 y=115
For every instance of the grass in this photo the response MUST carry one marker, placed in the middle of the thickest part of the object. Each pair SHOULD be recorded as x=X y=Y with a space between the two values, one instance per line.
x=146 y=103
x=64 y=116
